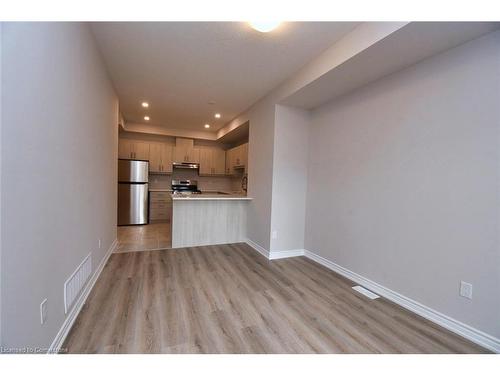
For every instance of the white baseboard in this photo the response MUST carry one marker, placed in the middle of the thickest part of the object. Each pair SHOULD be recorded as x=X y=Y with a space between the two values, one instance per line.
x=275 y=254
x=258 y=248
x=72 y=315
x=286 y=254
x=481 y=338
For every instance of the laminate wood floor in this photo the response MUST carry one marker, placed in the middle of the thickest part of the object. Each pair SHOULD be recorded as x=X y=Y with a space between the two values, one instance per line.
x=230 y=299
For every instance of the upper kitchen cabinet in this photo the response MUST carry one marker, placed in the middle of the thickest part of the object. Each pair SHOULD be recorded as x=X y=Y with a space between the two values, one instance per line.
x=125 y=149
x=241 y=156
x=166 y=158
x=236 y=158
x=160 y=157
x=212 y=161
x=229 y=162
x=185 y=152
x=219 y=161
x=131 y=149
x=141 y=150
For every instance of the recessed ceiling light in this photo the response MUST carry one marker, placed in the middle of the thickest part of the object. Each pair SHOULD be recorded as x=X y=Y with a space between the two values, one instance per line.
x=207 y=126
x=264 y=26
x=146 y=118
x=217 y=115
x=145 y=104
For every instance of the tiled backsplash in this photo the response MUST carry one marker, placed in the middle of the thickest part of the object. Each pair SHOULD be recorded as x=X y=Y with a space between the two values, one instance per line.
x=223 y=183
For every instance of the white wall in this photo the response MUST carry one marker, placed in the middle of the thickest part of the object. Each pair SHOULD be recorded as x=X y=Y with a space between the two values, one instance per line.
x=260 y=171
x=291 y=139
x=262 y=117
x=58 y=153
x=405 y=182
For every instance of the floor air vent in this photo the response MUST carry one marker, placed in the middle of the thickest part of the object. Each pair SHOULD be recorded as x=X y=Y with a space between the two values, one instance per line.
x=365 y=292
x=75 y=283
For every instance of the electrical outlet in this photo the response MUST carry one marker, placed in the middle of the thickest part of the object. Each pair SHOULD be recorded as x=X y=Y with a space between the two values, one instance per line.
x=274 y=235
x=43 y=311
x=466 y=290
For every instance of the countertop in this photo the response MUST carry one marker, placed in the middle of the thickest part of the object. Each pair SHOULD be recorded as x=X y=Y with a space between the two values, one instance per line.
x=206 y=195
x=224 y=196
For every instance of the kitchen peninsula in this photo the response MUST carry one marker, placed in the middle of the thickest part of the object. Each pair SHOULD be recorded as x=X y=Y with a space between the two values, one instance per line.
x=208 y=219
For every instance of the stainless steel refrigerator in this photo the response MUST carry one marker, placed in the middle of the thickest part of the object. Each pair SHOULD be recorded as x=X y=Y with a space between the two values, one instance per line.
x=132 y=192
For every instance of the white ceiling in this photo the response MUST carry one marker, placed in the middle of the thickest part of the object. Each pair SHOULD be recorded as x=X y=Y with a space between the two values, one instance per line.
x=406 y=46
x=179 y=67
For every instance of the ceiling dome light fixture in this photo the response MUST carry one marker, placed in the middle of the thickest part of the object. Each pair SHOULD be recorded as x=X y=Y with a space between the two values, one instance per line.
x=217 y=115
x=207 y=126
x=146 y=118
x=145 y=104
x=265 y=26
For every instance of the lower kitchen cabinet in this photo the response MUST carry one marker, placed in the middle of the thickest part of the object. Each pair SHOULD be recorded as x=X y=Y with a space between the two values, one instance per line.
x=160 y=207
